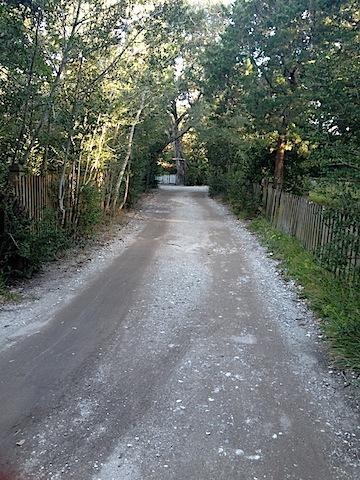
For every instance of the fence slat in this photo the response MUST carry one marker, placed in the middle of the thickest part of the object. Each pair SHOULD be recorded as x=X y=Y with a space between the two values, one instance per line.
x=32 y=192
x=317 y=231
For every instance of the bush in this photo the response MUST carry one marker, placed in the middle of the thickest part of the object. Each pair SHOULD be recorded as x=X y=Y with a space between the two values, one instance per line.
x=43 y=241
x=91 y=212
x=240 y=192
x=25 y=246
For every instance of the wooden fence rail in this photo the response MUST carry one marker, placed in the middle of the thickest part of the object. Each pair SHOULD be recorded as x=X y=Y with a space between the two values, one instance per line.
x=332 y=236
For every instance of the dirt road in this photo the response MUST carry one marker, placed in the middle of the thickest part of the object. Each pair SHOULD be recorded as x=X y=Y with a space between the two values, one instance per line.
x=187 y=358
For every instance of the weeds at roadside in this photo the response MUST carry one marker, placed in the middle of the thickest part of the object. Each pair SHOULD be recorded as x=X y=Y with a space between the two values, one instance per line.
x=336 y=303
x=6 y=295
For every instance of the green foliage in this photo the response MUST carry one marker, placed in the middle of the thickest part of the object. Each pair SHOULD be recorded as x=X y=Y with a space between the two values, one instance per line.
x=84 y=91
x=91 y=210
x=5 y=294
x=94 y=91
x=3 y=289
x=289 y=70
x=235 y=163
x=336 y=303
x=141 y=178
x=239 y=192
x=335 y=194
x=14 y=224
x=24 y=245
x=343 y=215
x=197 y=172
x=42 y=242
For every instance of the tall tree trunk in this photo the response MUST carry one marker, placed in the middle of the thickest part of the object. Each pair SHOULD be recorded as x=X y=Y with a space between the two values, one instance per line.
x=88 y=159
x=69 y=146
x=180 y=162
x=126 y=193
x=178 y=150
x=128 y=154
x=279 y=161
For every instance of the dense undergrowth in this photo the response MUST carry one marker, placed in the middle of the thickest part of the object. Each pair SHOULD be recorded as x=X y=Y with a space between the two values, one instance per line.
x=336 y=303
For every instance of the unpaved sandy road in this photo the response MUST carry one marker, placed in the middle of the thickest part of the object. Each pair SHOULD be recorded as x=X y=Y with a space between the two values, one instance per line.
x=187 y=358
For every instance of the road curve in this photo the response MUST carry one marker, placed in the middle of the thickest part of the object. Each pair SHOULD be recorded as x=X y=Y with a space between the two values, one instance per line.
x=188 y=358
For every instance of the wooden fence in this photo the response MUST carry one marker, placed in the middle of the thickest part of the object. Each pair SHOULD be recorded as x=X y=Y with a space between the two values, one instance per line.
x=34 y=193
x=38 y=193
x=332 y=236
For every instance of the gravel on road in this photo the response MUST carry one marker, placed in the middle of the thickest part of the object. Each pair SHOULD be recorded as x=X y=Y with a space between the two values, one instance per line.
x=177 y=352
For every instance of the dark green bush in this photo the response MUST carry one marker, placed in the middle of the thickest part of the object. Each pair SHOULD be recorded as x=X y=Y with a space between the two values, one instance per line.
x=91 y=212
x=43 y=241
x=24 y=245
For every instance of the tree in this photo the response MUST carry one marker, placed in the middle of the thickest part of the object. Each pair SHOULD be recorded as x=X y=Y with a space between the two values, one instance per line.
x=275 y=77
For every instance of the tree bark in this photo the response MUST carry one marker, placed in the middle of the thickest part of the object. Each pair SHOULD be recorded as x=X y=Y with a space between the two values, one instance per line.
x=69 y=144
x=180 y=162
x=126 y=193
x=128 y=154
x=279 y=161
x=178 y=150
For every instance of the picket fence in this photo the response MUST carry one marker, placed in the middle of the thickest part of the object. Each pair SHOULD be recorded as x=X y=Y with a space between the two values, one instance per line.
x=35 y=194
x=333 y=237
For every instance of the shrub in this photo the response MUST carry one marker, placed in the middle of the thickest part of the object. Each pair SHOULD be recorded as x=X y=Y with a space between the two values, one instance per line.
x=24 y=245
x=91 y=212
